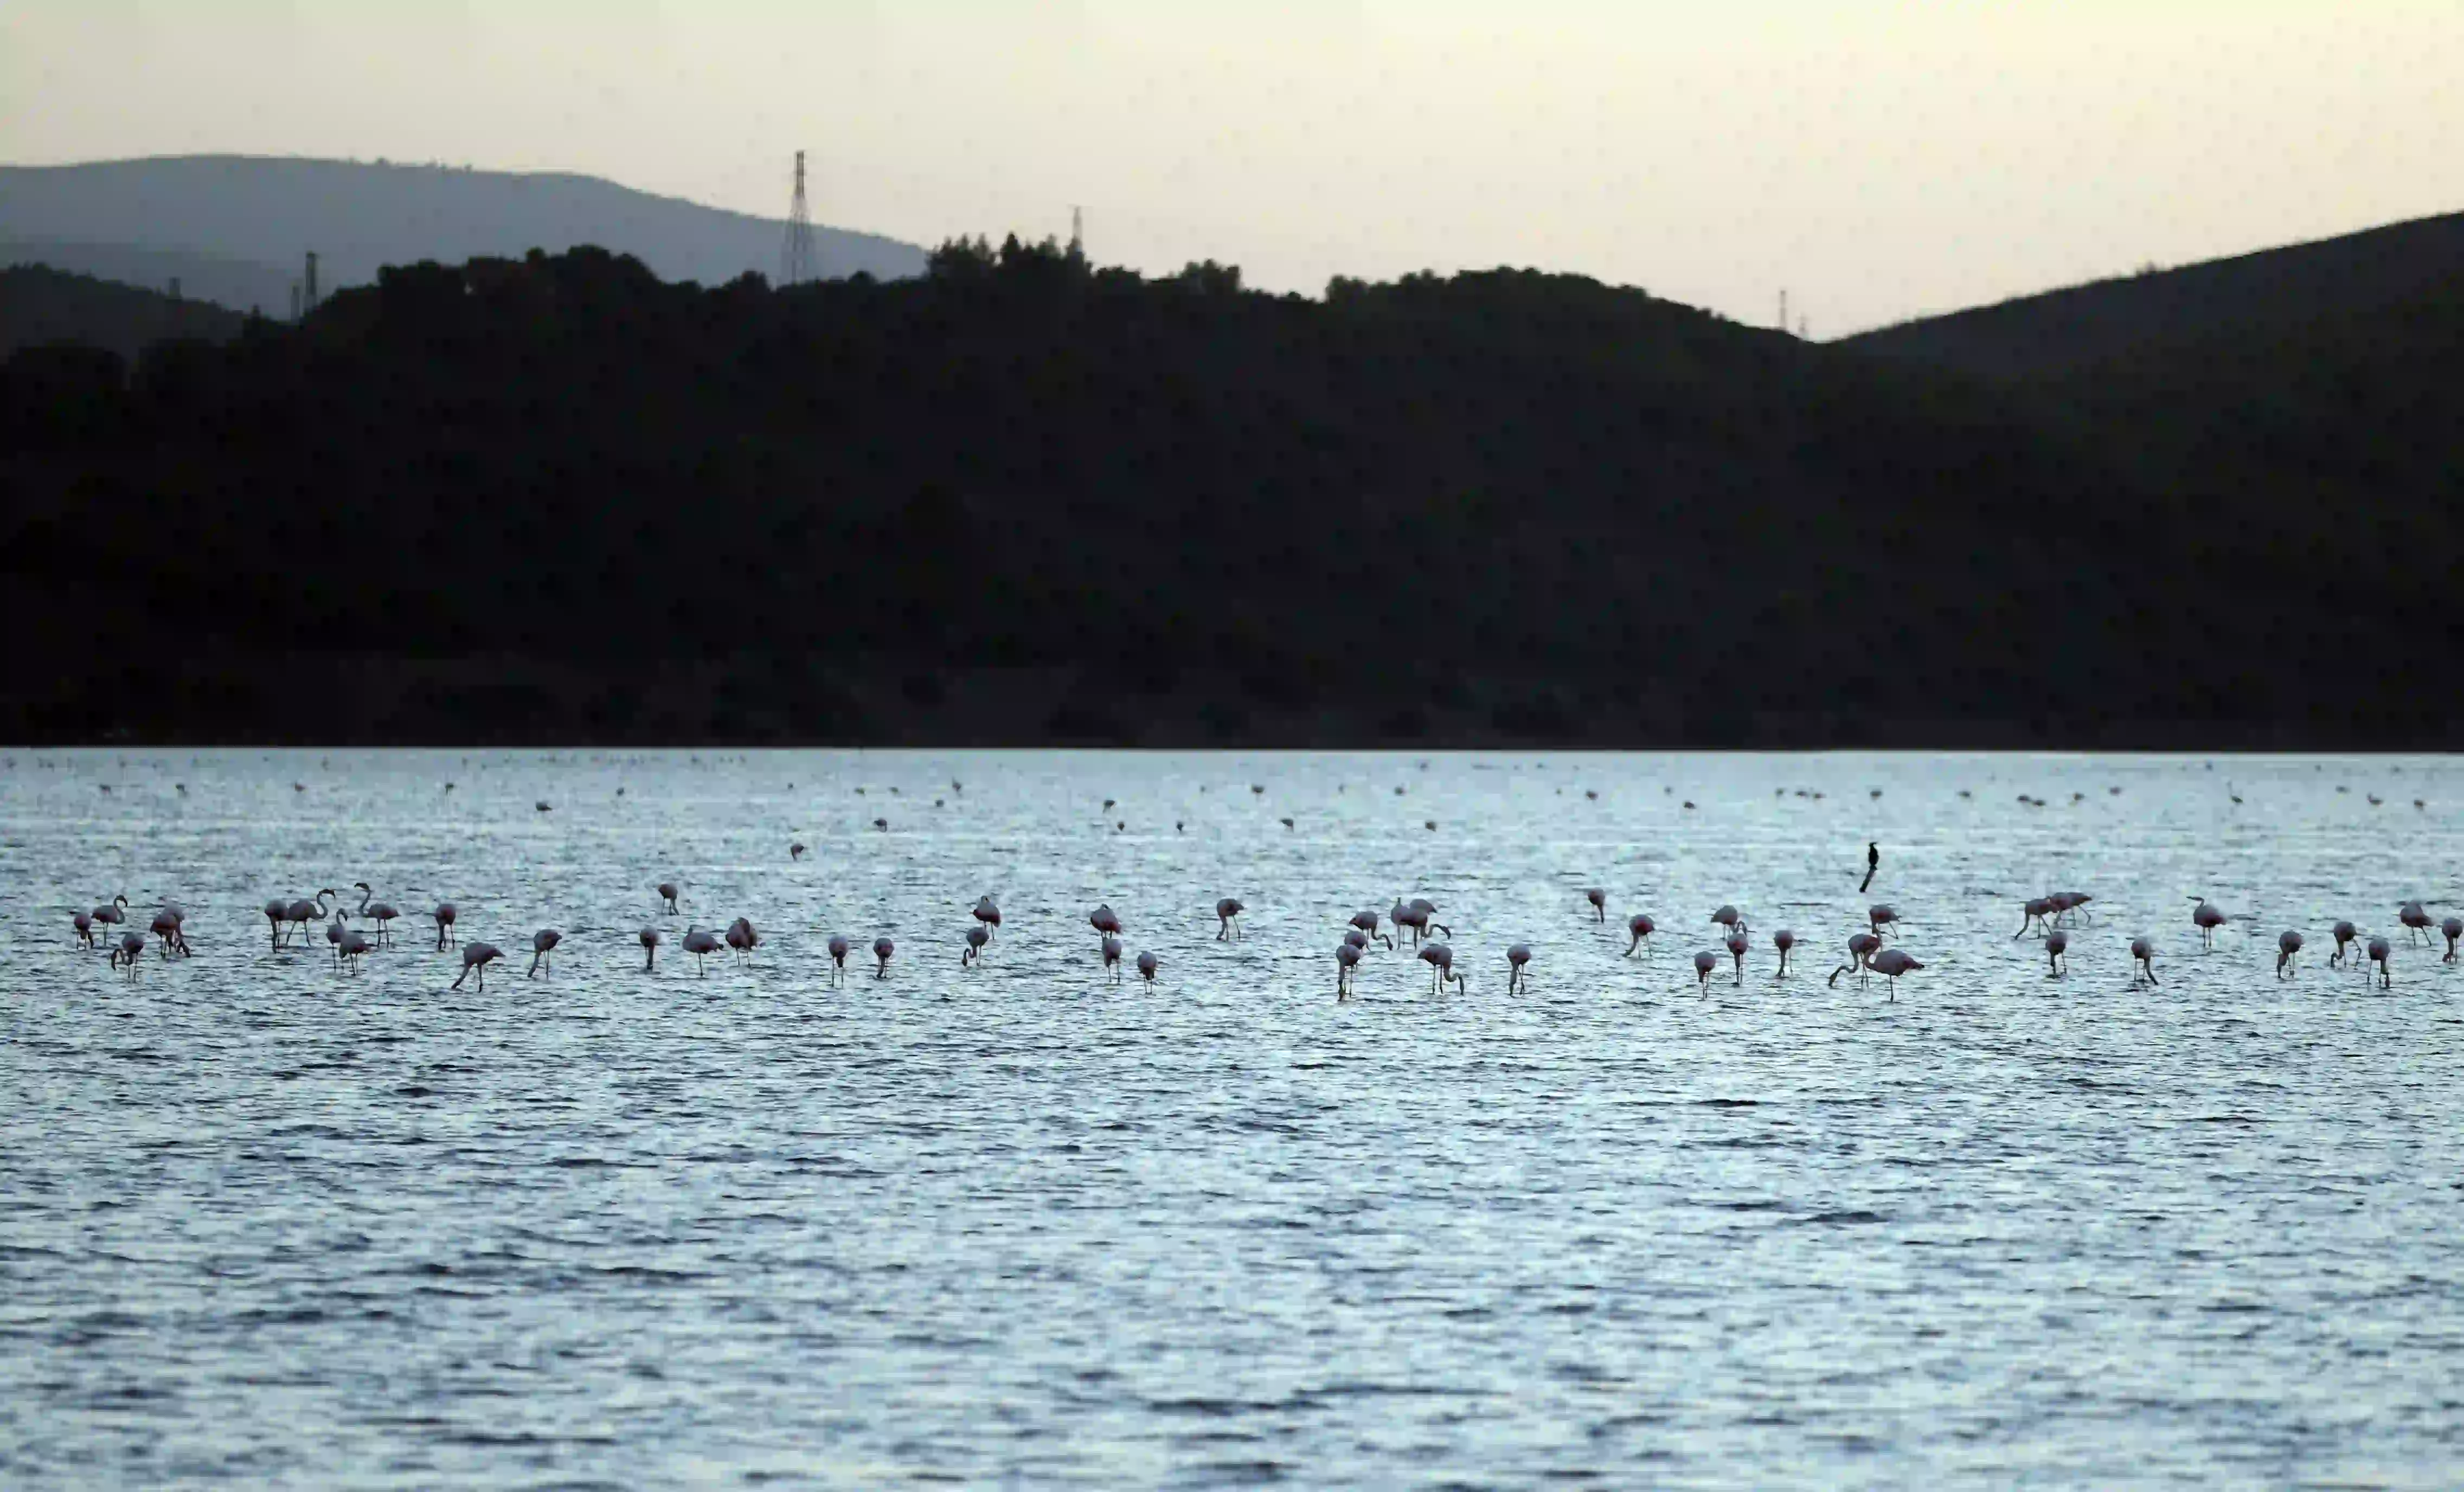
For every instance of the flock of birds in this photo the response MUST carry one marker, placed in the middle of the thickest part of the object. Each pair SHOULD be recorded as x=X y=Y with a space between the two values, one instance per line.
x=2052 y=917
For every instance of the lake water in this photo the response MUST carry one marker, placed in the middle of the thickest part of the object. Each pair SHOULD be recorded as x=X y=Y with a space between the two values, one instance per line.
x=266 y=1223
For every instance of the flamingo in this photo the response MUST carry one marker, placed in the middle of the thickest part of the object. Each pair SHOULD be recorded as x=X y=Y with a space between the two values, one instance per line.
x=1729 y=918
x=1599 y=900
x=1860 y=947
x=379 y=912
x=701 y=944
x=1426 y=909
x=667 y=895
x=1440 y=960
x=2379 y=956
x=882 y=948
x=1346 y=959
x=444 y=913
x=477 y=957
x=1112 y=951
x=2344 y=935
x=1879 y=917
x=132 y=947
x=977 y=937
x=838 y=946
x=2415 y=920
x=1407 y=920
x=1737 y=945
x=2058 y=947
x=649 y=937
x=84 y=922
x=1783 y=940
x=1355 y=938
x=2144 y=954
x=1227 y=912
x=2078 y=907
x=1703 y=963
x=2207 y=919
x=2286 y=946
x=1892 y=962
x=334 y=931
x=300 y=914
x=2039 y=908
x=352 y=949
x=1516 y=958
x=166 y=927
x=542 y=944
x=1146 y=968
x=1105 y=922
x=989 y=915
x=1365 y=922
x=1639 y=930
x=2453 y=928
x=741 y=937
x=276 y=911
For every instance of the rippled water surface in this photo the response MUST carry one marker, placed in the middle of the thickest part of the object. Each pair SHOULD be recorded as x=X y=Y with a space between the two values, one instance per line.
x=268 y=1223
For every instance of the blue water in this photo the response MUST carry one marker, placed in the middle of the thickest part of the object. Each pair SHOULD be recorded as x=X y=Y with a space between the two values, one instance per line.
x=266 y=1223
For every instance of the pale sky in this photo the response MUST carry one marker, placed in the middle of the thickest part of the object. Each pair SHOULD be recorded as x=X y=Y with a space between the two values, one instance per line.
x=1879 y=159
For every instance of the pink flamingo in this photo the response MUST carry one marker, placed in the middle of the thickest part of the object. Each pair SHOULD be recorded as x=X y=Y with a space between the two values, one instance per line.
x=2207 y=919
x=1639 y=930
x=1860 y=947
x=2144 y=954
x=477 y=957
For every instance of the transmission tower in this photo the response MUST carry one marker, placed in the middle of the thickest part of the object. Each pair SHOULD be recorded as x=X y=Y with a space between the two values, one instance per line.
x=1077 y=231
x=796 y=259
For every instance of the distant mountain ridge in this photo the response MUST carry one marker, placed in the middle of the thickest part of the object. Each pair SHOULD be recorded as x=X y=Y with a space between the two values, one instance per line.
x=2062 y=331
x=237 y=229
x=40 y=305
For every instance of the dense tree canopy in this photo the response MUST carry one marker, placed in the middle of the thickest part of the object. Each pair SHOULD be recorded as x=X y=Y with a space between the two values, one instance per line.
x=1023 y=500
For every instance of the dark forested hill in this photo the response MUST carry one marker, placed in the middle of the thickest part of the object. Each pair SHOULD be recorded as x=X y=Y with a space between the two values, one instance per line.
x=2253 y=293
x=43 y=305
x=1017 y=501
x=251 y=220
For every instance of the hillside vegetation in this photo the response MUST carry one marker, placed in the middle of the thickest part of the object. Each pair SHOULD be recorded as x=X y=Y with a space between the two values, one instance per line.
x=40 y=305
x=1016 y=500
x=2276 y=290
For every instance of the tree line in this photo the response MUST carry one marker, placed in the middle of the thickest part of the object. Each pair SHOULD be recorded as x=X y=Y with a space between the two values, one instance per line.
x=1024 y=498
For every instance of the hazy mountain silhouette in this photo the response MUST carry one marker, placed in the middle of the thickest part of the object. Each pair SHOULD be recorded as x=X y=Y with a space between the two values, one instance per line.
x=39 y=305
x=268 y=212
x=2064 y=330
